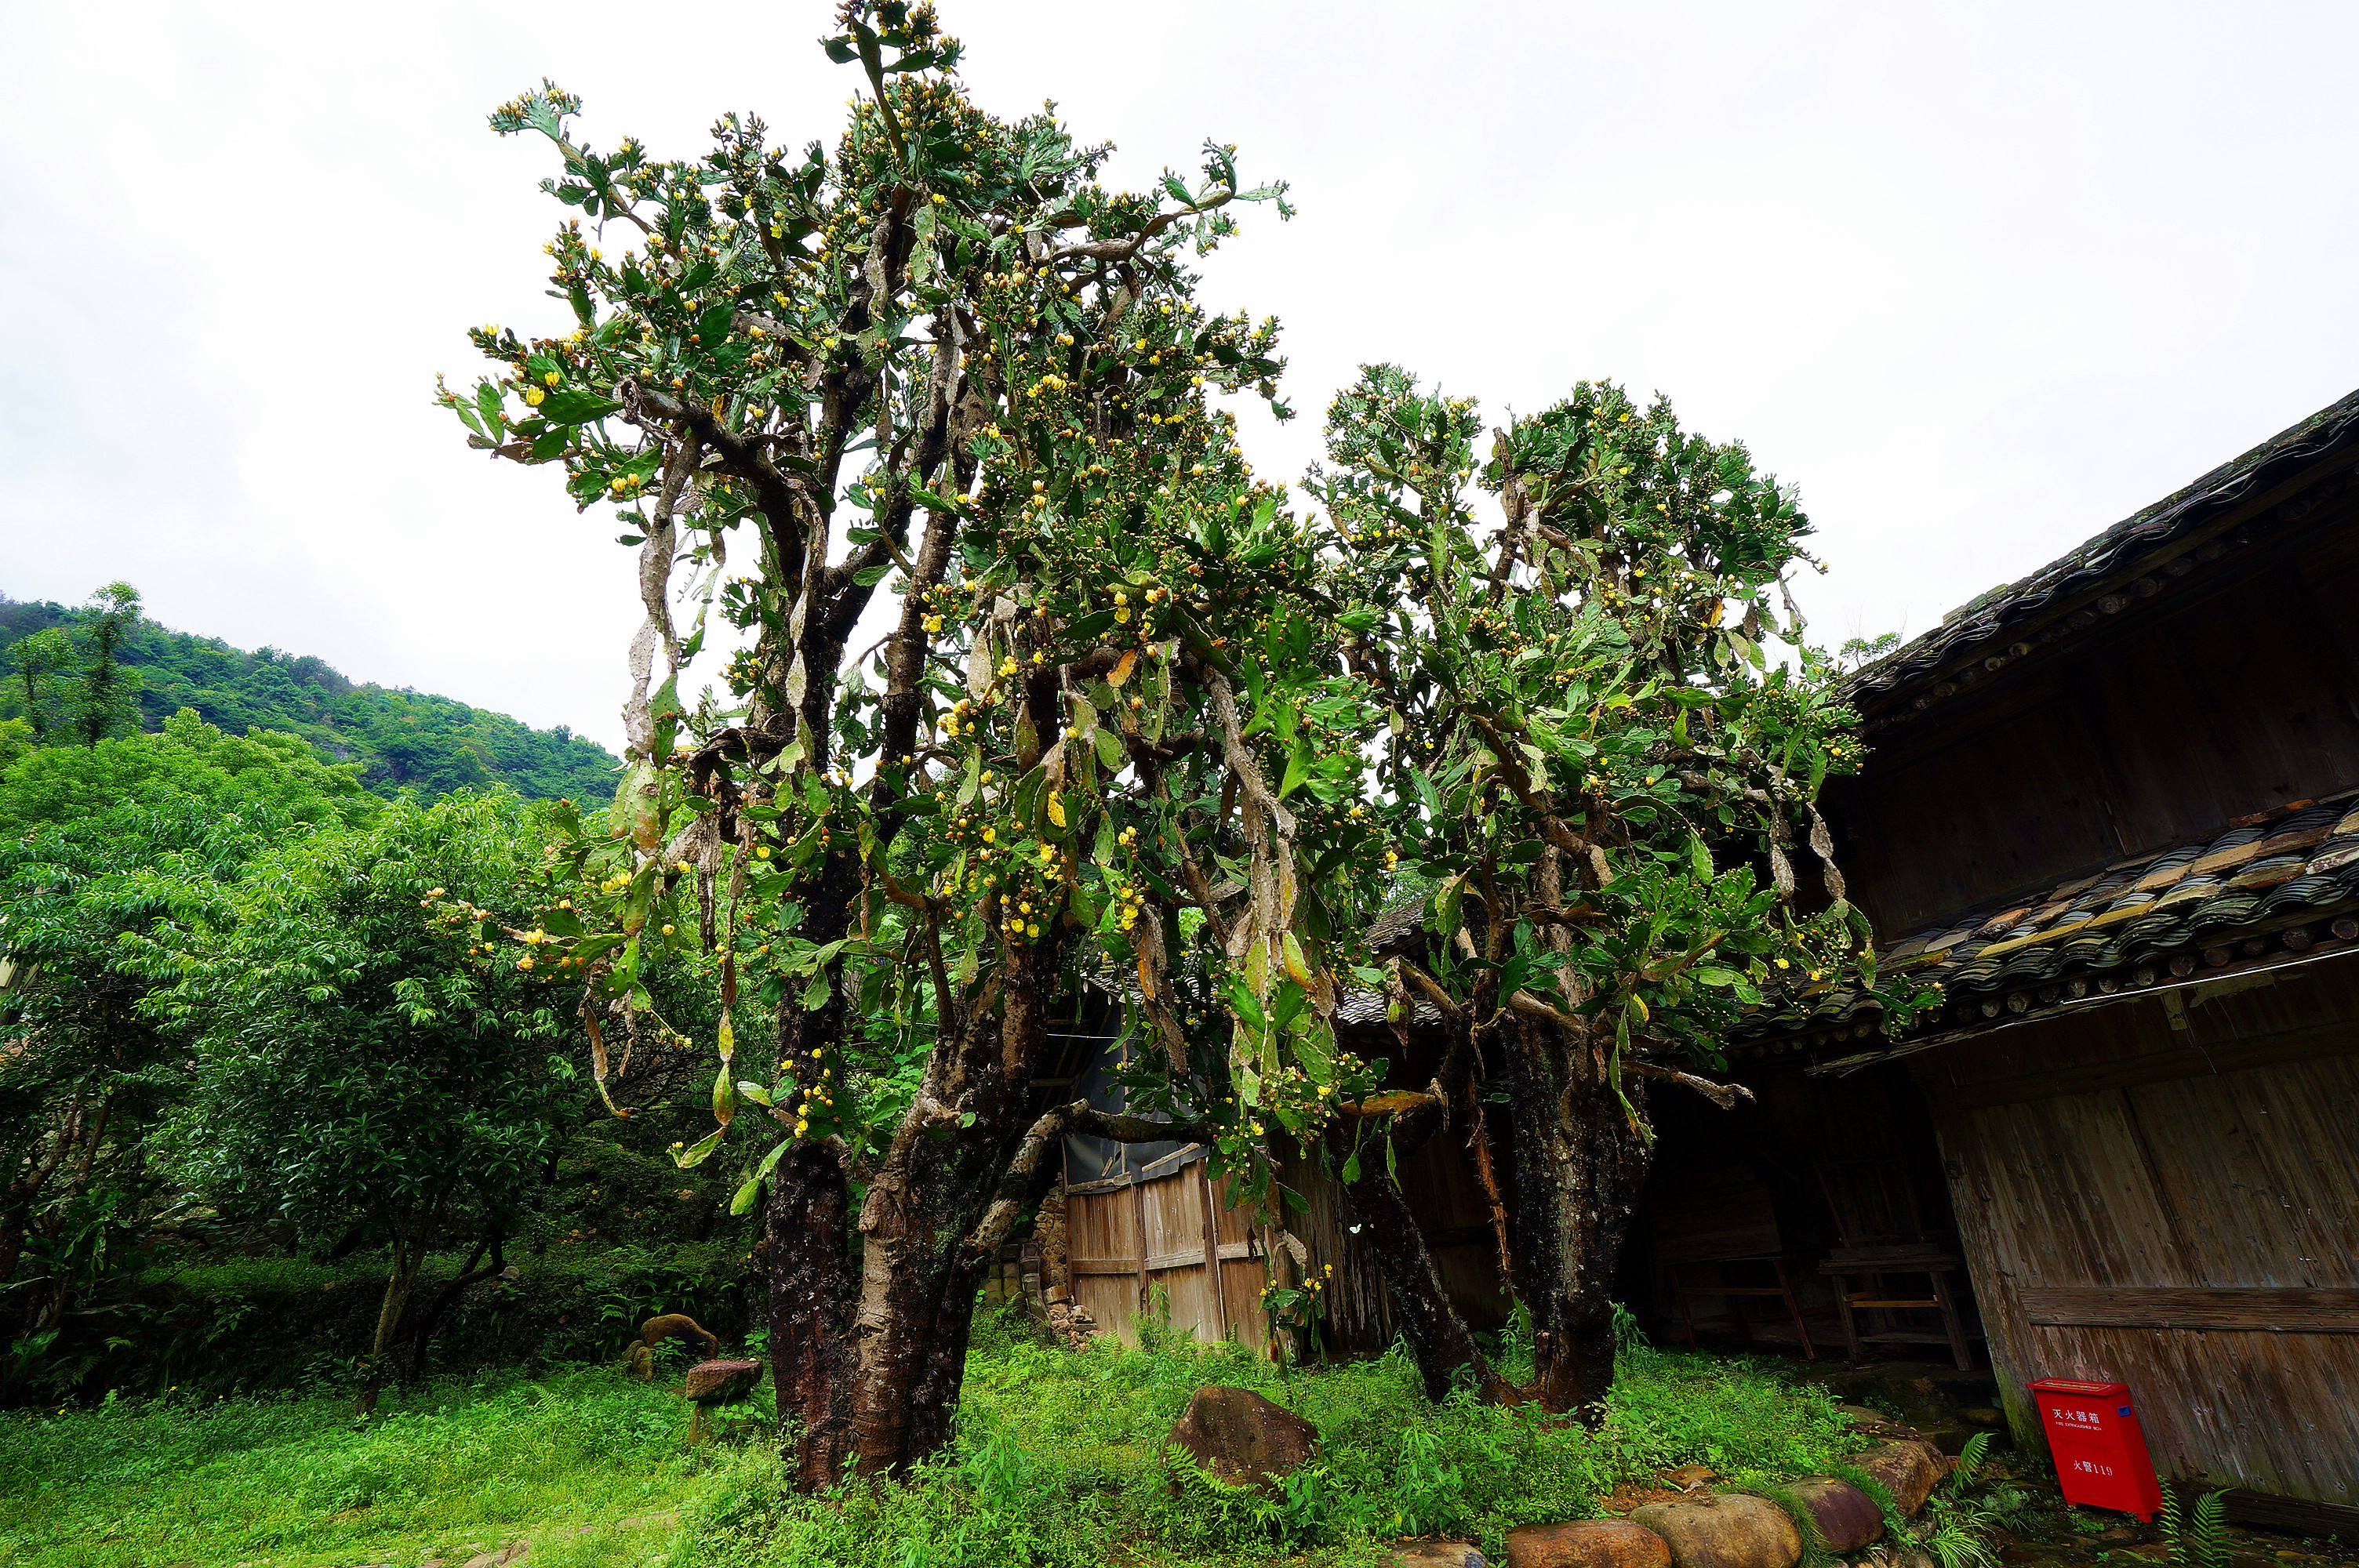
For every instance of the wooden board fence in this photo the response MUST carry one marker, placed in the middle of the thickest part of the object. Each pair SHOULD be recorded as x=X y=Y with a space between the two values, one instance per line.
x=1170 y=1236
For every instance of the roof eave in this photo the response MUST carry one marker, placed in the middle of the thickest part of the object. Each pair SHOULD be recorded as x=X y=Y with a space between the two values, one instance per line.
x=2242 y=502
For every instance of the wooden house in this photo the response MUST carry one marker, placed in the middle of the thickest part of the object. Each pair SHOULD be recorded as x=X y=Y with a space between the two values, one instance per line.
x=2112 y=810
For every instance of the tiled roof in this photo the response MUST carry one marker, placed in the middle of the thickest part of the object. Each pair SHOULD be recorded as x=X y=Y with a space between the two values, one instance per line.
x=2267 y=885
x=1394 y=923
x=2135 y=559
x=2281 y=883
x=1362 y=1006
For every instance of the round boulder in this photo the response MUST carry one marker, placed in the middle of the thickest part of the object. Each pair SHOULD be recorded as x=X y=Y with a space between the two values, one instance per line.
x=1243 y=1439
x=1847 y=1516
x=1909 y=1471
x=1587 y=1543
x=721 y=1382
x=1728 y=1531
x=680 y=1326
x=1435 y=1554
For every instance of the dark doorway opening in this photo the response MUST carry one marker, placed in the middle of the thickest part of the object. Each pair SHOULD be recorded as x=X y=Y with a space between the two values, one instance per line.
x=1758 y=1223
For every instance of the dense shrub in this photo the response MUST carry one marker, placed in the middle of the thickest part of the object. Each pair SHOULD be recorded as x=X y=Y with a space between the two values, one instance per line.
x=270 y=1324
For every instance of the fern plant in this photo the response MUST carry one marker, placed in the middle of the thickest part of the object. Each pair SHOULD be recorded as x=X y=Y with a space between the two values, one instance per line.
x=1970 y=1463
x=2197 y=1536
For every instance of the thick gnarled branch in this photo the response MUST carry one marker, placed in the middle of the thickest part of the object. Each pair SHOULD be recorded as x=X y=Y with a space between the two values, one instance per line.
x=1724 y=1096
x=1041 y=1137
x=1240 y=758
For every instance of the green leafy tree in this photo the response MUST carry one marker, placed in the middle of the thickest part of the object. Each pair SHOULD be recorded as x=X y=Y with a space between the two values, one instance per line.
x=102 y=849
x=362 y=1056
x=1607 y=786
x=187 y=758
x=106 y=698
x=941 y=360
x=1859 y=652
x=1122 y=722
x=37 y=666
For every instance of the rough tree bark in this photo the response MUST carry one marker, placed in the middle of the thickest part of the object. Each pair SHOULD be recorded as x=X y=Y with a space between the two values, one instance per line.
x=870 y=1355
x=869 y=1351
x=423 y=1325
x=23 y=1194
x=1579 y=1159
x=411 y=1234
x=48 y=1295
x=1574 y=1160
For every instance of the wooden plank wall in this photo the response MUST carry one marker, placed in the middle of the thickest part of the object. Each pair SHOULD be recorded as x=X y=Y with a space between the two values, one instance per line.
x=1104 y=1229
x=2166 y=1192
x=1447 y=1199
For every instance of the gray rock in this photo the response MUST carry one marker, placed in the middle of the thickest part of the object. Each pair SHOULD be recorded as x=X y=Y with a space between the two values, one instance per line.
x=1868 y=1422
x=1436 y=1554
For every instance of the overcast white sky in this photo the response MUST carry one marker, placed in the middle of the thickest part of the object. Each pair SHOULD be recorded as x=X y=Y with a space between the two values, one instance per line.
x=1980 y=278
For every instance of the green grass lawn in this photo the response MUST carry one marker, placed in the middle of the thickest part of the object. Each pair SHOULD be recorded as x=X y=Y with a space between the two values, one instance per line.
x=1058 y=1464
x=302 y=1484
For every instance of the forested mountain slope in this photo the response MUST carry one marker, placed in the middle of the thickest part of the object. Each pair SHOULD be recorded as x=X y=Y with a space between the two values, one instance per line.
x=400 y=737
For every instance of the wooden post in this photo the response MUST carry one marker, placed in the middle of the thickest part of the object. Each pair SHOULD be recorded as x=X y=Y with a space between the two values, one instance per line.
x=1138 y=1209
x=1850 y=1325
x=1269 y=1263
x=1952 y=1320
x=1794 y=1309
x=1213 y=1252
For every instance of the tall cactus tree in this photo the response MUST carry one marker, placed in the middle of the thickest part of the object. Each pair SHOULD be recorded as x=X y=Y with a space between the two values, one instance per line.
x=1605 y=784
x=940 y=381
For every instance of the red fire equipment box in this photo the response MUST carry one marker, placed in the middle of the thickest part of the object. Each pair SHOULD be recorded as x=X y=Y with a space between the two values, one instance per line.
x=2100 y=1454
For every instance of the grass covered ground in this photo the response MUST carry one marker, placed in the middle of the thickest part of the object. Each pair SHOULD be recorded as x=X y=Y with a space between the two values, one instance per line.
x=302 y=1482
x=1057 y=1465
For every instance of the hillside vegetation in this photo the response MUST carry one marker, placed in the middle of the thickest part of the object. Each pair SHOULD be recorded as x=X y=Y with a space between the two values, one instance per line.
x=400 y=738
